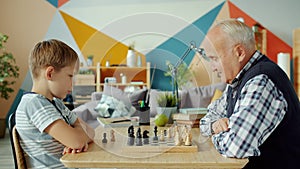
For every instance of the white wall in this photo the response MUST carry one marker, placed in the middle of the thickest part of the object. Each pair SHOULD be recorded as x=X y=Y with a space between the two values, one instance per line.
x=279 y=16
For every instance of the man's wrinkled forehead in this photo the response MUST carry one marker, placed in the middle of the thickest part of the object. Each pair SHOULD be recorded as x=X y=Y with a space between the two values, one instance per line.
x=213 y=40
x=208 y=45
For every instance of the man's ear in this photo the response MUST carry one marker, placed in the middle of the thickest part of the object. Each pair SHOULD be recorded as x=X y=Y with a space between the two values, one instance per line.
x=240 y=52
x=49 y=72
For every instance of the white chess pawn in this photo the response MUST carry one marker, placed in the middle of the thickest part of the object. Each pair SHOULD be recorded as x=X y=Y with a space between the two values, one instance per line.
x=162 y=136
x=177 y=138
x=169 y=133
x=187 y=140
x=112 y=136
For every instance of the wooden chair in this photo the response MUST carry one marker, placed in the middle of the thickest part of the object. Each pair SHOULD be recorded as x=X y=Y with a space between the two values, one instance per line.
x=18 y=154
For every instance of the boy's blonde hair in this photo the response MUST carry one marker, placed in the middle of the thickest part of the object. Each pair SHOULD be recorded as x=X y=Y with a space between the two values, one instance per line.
x=51 y=53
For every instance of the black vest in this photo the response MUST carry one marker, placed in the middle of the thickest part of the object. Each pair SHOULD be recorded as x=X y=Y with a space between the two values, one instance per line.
x=282 y=148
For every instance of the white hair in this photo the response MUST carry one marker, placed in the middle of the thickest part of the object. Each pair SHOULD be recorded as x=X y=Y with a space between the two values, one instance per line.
x=238 y=32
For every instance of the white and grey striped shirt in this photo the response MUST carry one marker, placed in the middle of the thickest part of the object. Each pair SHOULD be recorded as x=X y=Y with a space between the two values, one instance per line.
x=34 y=114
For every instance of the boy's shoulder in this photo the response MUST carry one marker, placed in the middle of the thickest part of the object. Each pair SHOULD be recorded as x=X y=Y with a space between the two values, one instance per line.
x=32 y=96
x=34 y=99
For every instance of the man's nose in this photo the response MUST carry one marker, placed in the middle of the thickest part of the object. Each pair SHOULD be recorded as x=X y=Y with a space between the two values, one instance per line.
x=213 y=67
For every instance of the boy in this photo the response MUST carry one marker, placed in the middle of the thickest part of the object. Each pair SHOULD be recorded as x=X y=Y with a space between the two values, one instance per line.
x=44 y=123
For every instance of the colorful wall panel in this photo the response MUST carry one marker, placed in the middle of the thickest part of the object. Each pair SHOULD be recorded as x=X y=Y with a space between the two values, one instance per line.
x=161 y=31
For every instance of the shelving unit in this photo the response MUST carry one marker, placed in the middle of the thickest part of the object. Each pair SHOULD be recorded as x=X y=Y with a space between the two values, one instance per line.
x=86 y=84
x=136 y=76
x=296 y=58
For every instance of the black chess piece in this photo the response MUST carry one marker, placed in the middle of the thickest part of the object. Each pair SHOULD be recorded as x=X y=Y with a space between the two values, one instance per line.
x=138 y=133
x=146 y=137
x=145 y=134
x=155 y=138
x=131 y=131
x=138 y=138
x=104 y=140
x=130 y=139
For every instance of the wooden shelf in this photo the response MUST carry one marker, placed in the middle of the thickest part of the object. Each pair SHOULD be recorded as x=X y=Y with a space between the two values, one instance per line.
x=140 y=76
x=94 y=84
x=296 y=59
x=133 y=74
x=124 y=84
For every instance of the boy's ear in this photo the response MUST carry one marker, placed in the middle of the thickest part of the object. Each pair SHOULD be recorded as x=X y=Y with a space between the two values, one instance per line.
x=49 y=72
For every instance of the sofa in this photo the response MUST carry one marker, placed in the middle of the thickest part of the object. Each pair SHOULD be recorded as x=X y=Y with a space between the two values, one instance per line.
x=194 y=97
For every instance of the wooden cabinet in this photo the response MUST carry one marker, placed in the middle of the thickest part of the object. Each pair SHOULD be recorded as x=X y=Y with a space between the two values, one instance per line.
x=296 y=59
x=135 y=76
x=261 y=41
x=85 y=84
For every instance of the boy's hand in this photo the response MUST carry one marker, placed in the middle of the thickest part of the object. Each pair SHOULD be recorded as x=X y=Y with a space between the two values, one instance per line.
x=70 y=150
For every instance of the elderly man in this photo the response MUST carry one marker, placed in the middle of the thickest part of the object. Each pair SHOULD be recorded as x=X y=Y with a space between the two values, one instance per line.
x=258 y=115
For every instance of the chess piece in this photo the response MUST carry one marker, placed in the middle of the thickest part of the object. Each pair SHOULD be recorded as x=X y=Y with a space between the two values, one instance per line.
x=169 y=134
x=138 y=133
x=155 y=138
x=104 y=140
x=138 y=138
x=155 y=130
x=188 y=140
x=146 y=137
x=162 y=136
x=130 y=140
x=177 y=137
x=131 y=131
x=112 y=136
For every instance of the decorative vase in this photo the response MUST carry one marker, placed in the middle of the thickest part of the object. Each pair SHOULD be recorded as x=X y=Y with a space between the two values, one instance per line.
x=131 y=60
x=139 y=61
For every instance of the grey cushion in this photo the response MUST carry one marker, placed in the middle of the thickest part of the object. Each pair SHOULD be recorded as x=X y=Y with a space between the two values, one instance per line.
x=96 y=96
x=200 y=96
x=110 y=106
x=87 y=113
x=190 y=98
x=195 y=97
x=129 y=99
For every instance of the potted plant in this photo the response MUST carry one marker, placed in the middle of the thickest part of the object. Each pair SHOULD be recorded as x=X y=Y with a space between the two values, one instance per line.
x=9 y=71
x=167 y=105
x=183 y=75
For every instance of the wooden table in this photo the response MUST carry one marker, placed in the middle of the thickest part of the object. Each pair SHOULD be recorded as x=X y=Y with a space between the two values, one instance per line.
x=110 y=155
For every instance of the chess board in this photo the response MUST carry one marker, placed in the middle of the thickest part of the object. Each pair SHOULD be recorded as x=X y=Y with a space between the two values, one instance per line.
x=148 y=140
x=160 y=147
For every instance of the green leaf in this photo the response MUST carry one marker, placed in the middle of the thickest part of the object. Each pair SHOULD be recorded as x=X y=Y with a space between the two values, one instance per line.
x=9 y=71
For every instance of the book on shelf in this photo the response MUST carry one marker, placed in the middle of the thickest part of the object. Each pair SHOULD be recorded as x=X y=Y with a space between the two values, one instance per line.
x=137 y=82
x=181 y=116
x=193 y=123
x=199 y=110
x=117 y=122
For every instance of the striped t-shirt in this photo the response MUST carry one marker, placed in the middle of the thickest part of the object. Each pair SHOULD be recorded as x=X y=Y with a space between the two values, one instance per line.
x=34 y=114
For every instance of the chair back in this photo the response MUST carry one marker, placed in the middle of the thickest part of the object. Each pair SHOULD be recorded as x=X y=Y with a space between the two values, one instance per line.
x=18 y=154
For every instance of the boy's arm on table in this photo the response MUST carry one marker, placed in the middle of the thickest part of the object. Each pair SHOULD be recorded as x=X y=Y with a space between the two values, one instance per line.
x=74 y=137
x=87 y=129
